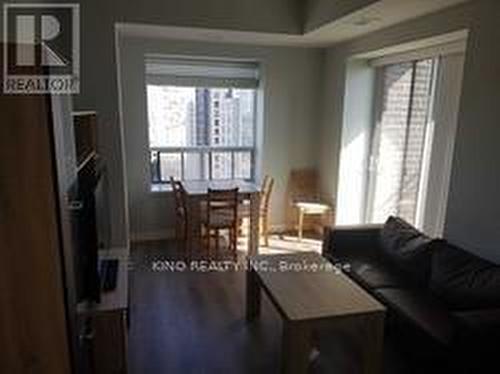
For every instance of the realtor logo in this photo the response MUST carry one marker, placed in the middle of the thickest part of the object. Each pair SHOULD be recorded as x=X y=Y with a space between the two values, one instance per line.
x=41 y=48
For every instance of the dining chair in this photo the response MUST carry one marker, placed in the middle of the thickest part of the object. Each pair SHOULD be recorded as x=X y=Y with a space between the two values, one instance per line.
x=181 y=214
x=222 y=214
x=267 y=189
x=305 y=198
x=265 y=198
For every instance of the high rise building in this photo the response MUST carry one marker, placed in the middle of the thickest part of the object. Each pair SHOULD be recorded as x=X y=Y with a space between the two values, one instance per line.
x=201 y=117
x=200 y=127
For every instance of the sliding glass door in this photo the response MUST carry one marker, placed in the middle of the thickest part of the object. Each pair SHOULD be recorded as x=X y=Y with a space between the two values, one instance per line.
x=398 y=160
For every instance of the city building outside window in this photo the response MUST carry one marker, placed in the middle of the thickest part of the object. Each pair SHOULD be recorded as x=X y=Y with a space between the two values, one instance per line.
x=202 y=120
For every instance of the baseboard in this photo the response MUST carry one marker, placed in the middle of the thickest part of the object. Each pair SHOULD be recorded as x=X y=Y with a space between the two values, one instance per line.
x=283 y=229
x=147 y=236
x=277 y=229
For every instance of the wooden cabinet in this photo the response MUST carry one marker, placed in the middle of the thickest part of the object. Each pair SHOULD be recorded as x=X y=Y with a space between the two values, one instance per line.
x=104 y=342
x=109 y=348
x=41 y=329
x=106 y=333
x=36 y=333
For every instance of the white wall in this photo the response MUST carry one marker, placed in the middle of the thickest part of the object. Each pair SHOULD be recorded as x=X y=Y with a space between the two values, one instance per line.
x=278 y=16
x=331 y=122
x=98 y=65
x=473 y=218
x=291 y=103
x=320 y=12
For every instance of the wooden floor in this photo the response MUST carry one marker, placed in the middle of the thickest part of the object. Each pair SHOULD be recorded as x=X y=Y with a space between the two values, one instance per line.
x=193 y=322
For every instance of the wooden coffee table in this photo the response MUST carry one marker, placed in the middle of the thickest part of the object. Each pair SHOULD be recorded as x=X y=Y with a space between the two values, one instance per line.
x=309 y=294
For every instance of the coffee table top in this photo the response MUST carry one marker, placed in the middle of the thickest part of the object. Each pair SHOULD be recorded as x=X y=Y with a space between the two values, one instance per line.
x=305 y=286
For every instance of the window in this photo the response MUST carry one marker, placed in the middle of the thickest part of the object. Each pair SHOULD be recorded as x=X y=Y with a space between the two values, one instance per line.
x=400 y=143
x=202 y=120
x=398 y=136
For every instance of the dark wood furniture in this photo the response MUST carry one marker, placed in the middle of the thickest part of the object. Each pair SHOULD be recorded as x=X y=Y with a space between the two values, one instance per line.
x=42 y=329
x=197 y=193
x=309 y=299
x=107 y=321
x=181 y=215
x=267 y=189
x=265 y=198
x=35 y=300
x=222 y=214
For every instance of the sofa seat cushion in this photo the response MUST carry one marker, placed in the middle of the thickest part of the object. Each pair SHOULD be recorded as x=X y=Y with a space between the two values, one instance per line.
x=407 y=248
x=464 y=281
x=351 y=262
x=377 y=274
x=422 y=310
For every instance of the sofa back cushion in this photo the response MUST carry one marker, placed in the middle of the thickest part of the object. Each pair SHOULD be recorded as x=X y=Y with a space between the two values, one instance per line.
x=407 y=248
x=462 y=280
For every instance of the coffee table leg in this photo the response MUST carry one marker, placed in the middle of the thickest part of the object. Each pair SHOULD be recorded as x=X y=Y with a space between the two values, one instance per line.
x=253 y=295
x=296 y=347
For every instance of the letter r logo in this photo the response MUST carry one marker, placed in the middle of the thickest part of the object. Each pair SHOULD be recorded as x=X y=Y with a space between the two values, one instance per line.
x=27 y=37
x=41 y=36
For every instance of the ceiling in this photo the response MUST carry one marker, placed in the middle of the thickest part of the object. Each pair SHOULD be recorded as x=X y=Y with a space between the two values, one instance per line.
x=374 y=17
x=370 y=16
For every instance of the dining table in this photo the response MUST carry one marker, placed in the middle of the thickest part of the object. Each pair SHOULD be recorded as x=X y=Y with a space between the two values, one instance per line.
x=197 y=192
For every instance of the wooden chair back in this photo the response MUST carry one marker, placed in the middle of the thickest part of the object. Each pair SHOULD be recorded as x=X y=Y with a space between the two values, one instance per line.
x=303 y=185
x=181 y=214
x=267 y=188
x=180 y=197
x=222 y=203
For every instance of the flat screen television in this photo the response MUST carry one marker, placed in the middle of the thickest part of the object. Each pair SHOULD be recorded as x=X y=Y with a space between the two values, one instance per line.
x=85 y=236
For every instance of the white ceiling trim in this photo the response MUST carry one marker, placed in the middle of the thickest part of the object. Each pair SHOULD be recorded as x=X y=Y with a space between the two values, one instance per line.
x=212 y=35
x=382 y=14
x=421 y=54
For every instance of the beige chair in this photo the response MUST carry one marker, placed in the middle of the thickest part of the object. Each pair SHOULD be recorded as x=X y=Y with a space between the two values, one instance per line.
x=222 y=214
x=305 y=200
x=265 y=198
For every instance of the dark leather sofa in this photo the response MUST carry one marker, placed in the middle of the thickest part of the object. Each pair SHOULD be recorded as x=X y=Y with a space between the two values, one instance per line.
x=443 y=302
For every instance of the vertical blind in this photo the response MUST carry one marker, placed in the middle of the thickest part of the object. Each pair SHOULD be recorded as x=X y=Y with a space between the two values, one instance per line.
x=403 y=110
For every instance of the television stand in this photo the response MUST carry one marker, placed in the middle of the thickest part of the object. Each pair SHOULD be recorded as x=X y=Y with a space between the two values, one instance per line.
x=107 y=320
x=108 y=273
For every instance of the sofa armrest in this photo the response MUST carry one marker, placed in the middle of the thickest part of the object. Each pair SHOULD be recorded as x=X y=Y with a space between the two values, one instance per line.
x=342 y=241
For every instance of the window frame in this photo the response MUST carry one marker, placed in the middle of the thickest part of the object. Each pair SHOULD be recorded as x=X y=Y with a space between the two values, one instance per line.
x=371 y=177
